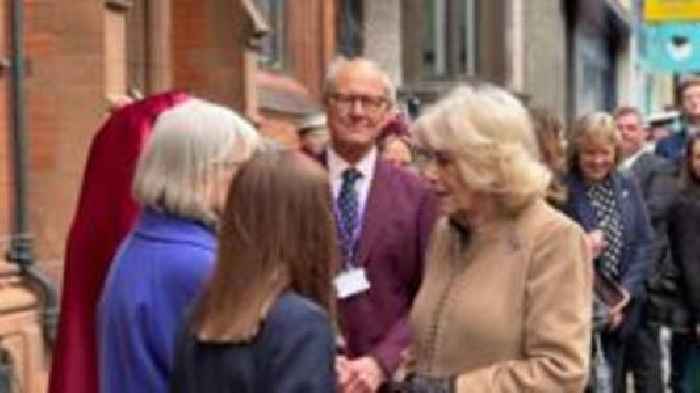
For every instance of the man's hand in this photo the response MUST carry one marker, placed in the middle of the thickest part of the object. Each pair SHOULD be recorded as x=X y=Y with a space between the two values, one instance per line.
x=344 y=372
x=361 y=375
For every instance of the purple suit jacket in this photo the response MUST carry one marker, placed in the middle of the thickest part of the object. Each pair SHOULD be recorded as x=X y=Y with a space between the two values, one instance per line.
x=398 y=220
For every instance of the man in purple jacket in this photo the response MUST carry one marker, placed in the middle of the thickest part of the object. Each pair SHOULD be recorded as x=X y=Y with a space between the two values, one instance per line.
x=384 y=217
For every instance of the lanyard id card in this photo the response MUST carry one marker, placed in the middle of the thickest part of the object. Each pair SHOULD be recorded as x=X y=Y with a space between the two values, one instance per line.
x=351 y=282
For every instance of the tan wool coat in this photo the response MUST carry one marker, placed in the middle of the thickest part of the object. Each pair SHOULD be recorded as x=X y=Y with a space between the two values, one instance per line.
x=509 y=310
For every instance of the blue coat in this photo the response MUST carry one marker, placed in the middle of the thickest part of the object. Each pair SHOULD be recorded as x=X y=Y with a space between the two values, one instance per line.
x=294 y=352
x=673 y=146
x=158 y=269
x=637 y=230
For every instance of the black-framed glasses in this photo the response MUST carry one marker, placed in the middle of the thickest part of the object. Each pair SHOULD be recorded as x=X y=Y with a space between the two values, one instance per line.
x=370 y=103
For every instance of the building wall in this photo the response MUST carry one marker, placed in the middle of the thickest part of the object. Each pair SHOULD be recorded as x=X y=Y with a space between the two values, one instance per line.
x=5 y=157
x=311 y=42
x=382 y=27
x=492 y=57
x=193 y=45
x=629 y=75
x=659 y=92
x=65 y=104
x=148 y=47
x=137 y=47
x=545 y=55
x=628 y=82
x=207 y=41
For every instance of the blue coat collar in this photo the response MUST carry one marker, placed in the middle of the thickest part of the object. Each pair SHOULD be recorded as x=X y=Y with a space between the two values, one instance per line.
x=169 y=228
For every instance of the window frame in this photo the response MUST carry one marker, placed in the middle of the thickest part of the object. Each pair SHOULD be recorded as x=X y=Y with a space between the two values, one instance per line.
x=443 y=36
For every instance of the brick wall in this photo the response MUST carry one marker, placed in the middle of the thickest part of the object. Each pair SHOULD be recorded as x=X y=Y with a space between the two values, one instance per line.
x=5 y=158
x=208 y=49
x=64 y=106
x=65 y=90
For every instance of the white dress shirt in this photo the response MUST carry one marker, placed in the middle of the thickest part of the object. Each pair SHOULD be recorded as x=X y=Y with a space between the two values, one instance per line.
x=627 y=163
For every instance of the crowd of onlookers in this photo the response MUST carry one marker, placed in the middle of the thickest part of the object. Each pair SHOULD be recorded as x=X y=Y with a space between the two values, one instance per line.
x=481 y=247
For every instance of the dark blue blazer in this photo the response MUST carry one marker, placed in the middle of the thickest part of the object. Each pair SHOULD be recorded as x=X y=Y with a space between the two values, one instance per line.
x=637 y=230
x=294 y=352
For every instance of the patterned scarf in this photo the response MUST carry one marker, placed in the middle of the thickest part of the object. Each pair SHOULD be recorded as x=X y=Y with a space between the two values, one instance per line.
x=602 y=197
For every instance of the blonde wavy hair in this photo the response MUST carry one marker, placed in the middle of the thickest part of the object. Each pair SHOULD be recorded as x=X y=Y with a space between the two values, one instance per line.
x=595 y=127
x=488 y=136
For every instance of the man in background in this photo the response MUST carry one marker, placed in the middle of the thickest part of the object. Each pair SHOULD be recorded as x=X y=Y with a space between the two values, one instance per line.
x=384 y=216
x=655 y=177
x=672 y=146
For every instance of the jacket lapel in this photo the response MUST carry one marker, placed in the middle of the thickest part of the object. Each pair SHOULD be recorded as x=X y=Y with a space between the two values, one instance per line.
x=582 y=205
x=378 y=204
x=639 y=167
x=625 y=204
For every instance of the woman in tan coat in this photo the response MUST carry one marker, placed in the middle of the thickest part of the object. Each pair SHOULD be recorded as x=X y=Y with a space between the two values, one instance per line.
x=505 y=305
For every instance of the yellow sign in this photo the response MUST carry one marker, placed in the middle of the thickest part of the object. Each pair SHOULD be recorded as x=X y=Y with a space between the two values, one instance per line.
x=672 y=10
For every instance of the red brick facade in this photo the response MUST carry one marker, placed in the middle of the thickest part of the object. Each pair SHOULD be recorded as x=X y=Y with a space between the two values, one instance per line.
x=5 y=158
x=195 y=45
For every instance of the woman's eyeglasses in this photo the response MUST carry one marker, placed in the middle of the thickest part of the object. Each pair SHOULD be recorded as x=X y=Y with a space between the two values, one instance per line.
x=424 y=156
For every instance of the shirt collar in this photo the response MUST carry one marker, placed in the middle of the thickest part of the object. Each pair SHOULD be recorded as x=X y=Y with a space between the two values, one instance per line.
x=337 y=164
x=628 y=162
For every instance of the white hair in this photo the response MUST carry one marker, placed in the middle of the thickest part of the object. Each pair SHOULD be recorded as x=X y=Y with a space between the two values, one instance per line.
x=489 y=134
x=174 y=173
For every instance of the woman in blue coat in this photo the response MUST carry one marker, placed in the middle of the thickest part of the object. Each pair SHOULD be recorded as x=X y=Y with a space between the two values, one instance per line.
x=263 y=324
x=611 y=210
x=180 y=181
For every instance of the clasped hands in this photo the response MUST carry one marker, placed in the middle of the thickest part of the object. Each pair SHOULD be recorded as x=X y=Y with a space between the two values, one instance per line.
x=364 y=375
x=360 y=375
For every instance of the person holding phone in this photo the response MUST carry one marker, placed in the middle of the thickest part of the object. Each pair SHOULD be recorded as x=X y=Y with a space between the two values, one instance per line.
x=611 y=210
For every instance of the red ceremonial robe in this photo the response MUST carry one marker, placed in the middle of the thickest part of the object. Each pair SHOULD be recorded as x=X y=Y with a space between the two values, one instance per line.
x=105 y=213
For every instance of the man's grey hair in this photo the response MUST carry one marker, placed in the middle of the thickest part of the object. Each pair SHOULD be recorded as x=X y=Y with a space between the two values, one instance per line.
x=176 y=170
x=340 y=62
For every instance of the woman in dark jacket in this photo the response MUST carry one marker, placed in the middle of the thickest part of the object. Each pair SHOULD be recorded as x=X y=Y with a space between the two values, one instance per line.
x=684 y=233
x=610 y=209
x=263 y=323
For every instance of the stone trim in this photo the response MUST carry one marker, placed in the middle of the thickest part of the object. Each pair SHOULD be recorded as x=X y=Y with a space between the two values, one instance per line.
x=259 y=27
x=118 y=5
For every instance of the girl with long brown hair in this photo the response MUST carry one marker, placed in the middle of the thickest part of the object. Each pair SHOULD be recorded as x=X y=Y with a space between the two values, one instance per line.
x=263 y=323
